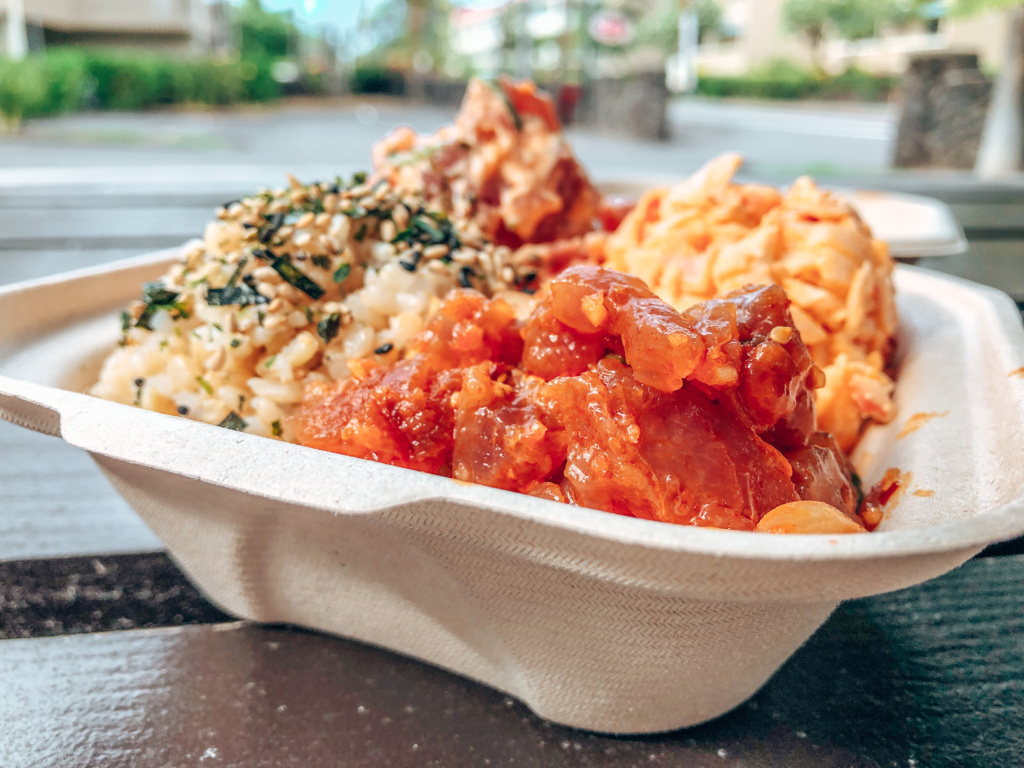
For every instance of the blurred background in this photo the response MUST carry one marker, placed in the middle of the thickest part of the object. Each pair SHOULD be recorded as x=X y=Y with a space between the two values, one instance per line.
x=135 y=120
x=888 y=83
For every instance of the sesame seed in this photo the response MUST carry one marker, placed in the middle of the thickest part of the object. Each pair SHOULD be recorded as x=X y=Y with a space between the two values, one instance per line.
x=266 y=273
x=216 y=359
x=383 y=349
x=274 y=321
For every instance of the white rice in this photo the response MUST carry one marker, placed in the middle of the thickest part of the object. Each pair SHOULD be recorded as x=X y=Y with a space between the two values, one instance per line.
x=246 y=365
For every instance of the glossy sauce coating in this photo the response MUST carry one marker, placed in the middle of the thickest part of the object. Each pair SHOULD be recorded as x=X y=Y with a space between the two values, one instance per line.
x=605 y=397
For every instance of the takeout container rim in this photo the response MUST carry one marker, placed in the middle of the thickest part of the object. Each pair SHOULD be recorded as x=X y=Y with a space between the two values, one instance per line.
x=82 y=425
x=98 y=426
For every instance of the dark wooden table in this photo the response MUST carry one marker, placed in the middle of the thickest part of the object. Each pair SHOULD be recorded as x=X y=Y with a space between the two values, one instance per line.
x=109 y=657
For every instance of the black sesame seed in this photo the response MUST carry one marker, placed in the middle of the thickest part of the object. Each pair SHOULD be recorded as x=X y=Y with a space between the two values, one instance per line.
x=139 y=382
x=411 y=265
x=229 y=203
x=464 y=276
x=383 y=349
x=248 y=225
x=183 y=410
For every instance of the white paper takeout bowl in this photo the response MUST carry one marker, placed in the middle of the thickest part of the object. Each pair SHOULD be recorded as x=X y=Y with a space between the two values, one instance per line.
x=593 y=620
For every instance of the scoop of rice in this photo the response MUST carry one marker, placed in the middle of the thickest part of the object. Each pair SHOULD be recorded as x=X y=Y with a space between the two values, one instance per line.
x=288 y=286
x=708 y=235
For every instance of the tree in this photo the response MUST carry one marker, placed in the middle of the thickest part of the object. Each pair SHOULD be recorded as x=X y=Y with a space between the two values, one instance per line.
x=709 y=18
x=1002 y=143
x=808 y=18
x=264 y=35
x=859 y=19
x=848 y=19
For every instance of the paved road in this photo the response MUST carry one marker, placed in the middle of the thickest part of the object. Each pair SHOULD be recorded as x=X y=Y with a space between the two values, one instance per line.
x=775 y=139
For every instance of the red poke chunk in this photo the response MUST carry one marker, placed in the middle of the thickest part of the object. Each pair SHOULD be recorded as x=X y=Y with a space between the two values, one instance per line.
x=399 y=415
x=605 y=398
x=676 y=457
x=502 y=438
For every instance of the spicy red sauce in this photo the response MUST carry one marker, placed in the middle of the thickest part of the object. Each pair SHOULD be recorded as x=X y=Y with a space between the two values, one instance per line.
x=605 y=397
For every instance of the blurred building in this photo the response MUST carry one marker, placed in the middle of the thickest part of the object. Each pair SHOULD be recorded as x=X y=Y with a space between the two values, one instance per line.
x=167 y=26
x=753 y=33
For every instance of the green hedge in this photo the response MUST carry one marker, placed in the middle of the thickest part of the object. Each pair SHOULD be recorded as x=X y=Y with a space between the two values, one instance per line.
x=41 y=86
x=63 y=81
x=785 y=80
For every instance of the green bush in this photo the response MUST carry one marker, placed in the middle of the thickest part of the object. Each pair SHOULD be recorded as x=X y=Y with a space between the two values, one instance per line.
x=857 y=85
x=133 y=82
x=66 y=80
x=258 y=79
x=786 y=80
x=41 y=85
x=376 y=78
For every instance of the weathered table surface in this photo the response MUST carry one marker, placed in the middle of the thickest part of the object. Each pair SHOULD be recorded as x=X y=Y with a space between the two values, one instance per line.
x=929 y=676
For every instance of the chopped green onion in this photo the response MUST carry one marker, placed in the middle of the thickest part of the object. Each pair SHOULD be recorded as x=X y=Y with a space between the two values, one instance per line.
x=341 y=273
